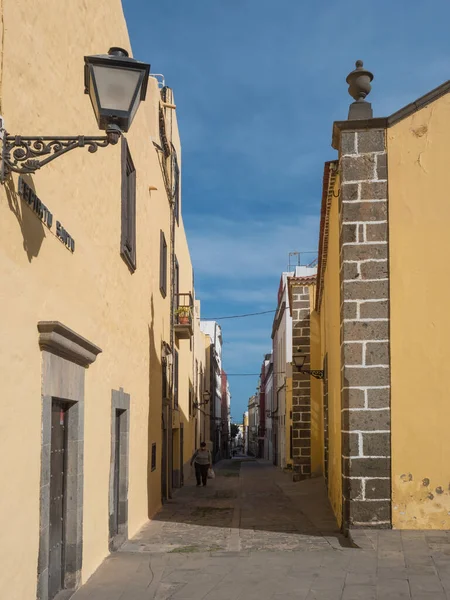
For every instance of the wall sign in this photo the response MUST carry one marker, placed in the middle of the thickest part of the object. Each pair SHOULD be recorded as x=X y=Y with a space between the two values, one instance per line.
x=43 y=213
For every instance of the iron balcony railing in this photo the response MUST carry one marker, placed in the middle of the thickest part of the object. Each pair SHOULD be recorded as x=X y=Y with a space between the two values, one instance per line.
x=184 y=313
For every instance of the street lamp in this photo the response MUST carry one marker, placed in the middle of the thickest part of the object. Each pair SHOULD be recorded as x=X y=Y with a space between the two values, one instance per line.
x=298 y=360
x=206 y=398
x=116 y=85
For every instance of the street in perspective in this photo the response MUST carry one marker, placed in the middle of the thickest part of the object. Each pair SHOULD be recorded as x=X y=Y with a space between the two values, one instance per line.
x=224 y=300
x=253 y=533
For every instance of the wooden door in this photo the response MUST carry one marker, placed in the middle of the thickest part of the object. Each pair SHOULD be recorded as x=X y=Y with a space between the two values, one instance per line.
x=58 y=451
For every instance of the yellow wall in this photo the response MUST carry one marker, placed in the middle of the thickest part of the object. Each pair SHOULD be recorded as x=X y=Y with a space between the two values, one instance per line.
x=186 y=356
x=419 y=213
x=316 y=391
x=90 y=291
x=288 y=421
x=330 y=342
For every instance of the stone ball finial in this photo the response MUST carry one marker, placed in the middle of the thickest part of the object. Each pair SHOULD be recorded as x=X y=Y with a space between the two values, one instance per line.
x=359 y=82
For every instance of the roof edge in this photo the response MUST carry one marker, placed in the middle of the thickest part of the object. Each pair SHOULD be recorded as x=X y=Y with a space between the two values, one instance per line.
x=329 y=176
x=393 y=119
x=420 y=103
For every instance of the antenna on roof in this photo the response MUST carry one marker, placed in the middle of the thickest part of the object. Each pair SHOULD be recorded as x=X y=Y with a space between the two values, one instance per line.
x=294 y=260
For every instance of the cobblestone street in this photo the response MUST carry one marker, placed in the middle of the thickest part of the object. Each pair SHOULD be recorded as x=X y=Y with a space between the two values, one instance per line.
x=252 y=533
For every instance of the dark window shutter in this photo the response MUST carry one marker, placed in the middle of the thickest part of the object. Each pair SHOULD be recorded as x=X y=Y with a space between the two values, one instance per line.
x=177 y=191
x=128 y=212
x=163 y=264
x=175 y=379
x=153 y=457
x=176 y=290
x=164 y=377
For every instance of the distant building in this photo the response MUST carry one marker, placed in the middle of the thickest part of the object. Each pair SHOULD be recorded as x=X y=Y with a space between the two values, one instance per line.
x=282 y=371
x=225 y=417
x=245 y=431
x=214 y=331
x=253 y=425
x=268 y=435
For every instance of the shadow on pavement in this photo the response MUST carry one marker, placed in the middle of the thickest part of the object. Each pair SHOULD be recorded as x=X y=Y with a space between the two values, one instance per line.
x=250 y=505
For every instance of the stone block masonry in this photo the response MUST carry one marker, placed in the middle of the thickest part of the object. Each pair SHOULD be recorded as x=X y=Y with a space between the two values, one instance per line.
x=301 y=385
x=365 y=359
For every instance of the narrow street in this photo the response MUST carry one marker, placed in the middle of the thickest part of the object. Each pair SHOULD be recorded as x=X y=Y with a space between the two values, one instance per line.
x=253 y=534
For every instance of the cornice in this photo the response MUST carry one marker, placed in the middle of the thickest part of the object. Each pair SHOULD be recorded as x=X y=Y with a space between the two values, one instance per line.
x=58 y=339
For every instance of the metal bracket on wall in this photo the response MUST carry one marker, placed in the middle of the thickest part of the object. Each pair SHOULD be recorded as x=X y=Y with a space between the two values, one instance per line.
x=314 y=373
x=22 y=154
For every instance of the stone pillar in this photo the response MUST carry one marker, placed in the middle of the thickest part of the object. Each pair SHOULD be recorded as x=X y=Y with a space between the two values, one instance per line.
x=365 y=361
x=301 y=384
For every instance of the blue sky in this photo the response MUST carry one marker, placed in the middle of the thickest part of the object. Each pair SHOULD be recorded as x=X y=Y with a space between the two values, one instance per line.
x=258 y=84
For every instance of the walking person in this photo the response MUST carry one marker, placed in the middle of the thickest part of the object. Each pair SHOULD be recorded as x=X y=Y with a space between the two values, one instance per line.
x=203 y=462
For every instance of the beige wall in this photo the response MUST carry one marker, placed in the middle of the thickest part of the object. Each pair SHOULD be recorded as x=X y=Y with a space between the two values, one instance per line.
x=90 y=291
x=185 y=348
x=317 y=438
x=330 y=341
x=419 y=213
x=201 y=345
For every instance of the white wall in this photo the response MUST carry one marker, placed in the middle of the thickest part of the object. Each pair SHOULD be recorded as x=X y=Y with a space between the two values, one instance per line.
x=268 y=446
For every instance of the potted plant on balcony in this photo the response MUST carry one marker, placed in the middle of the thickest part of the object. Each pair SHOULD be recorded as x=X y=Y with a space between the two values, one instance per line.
x=183 y=315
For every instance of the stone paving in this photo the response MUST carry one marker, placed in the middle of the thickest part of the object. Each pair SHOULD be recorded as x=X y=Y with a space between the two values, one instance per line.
x=253 y=534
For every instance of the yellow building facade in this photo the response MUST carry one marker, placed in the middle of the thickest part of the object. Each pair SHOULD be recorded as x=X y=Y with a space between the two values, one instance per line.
x=89 y=327
x=379 y=405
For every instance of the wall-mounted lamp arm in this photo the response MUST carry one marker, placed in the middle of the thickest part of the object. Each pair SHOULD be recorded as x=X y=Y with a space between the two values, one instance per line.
x=318 y=374
x=23 y=154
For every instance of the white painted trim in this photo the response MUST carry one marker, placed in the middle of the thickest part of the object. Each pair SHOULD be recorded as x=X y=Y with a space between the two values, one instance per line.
x=377 y=500
x=361 y=457
x=365 y=410
x=365 y=243
x=364 y=222
x=361 y=342
x=362 y=262
x=364 y=366
x=372 y=431
x=359 y=201
x=365 y=477
x=365 y=320
x=356 y=181
x=364 y=280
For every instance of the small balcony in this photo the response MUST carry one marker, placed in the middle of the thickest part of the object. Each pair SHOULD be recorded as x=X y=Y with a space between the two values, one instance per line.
x=184 y=316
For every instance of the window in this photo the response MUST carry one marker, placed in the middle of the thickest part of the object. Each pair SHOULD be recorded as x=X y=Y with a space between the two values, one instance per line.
x=153 y=457
x=175 y=379
x=163 y=265
x=128 y=237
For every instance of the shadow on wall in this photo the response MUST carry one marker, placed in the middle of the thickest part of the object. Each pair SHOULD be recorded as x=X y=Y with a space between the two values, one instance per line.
x=154 y=397
x=31 y=226
x=345 y=451
x=167 y=470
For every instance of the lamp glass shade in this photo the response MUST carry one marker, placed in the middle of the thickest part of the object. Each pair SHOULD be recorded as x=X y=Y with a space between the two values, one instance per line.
x=298 y=359
x=116 y=88
x=116 y=85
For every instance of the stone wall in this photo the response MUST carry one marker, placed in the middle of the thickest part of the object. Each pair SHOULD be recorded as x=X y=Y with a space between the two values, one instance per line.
x=364 y=271
x=301 y=384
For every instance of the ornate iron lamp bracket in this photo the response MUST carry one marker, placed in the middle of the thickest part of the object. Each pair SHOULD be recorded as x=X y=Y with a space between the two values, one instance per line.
x=314 y=373
x=23 y=154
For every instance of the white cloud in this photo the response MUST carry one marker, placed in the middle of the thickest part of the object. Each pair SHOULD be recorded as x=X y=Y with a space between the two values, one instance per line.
x=251 y=250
